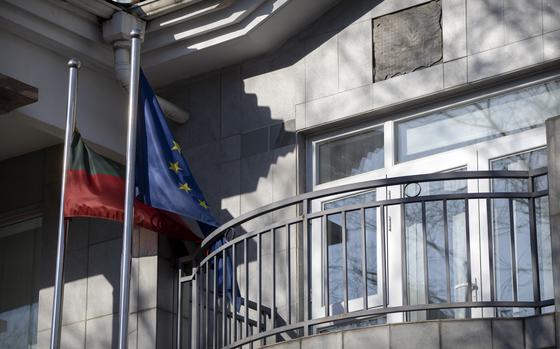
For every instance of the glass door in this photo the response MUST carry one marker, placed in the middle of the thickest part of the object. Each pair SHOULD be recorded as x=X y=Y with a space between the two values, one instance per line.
x=515 y=246
x=348 y=158
x=430 y=243
x=437 y=251
x=446 y=258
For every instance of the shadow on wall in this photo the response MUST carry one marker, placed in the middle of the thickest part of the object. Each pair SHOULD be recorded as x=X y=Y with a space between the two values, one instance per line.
x=241 y=138
x=241 y=144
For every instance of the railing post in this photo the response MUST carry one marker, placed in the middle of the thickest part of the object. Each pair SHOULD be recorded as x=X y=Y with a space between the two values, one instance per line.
x=194 y=311
x=553 y=141
x=179 y=304
x=306 y=276
x=243 y=329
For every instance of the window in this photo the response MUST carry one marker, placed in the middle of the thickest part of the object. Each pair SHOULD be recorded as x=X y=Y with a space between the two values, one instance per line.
x=490 y=118
x=18 y=289
x=354 y=244
x=350 y=155
x=511 y=234
x=437 y=233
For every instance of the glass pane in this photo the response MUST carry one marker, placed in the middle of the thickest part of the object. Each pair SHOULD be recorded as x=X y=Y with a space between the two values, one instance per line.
x=318 y=272
x=334 y=255
x=502 y=250
x=541 y=183
x=414 y=254
x=526 y=161
x=454 y=186
x=491 y=118
x=544 y=248
x=351 y=155
x=435 y=245
x=354 y=250
x=369 y=196
x=18 y=307
x=523 y=259
x=521 y=248
x=371 y=250
x=458 y=254
x=354 y=254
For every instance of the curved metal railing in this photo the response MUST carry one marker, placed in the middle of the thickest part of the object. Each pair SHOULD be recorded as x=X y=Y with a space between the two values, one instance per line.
x=264 y=276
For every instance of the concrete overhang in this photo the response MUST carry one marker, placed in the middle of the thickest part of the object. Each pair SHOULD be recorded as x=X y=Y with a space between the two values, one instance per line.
x=15 y=94
x=200 y=36
x=183 y=38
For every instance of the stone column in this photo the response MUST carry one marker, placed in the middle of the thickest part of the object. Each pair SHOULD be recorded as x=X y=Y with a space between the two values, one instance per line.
x=553 y=141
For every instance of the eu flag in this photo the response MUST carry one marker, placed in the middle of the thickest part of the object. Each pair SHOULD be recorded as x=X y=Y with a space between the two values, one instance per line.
x=163 y=177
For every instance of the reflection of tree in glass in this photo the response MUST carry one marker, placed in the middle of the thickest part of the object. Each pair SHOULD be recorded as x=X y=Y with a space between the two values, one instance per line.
x=494 y=117
x=518 y=110
x=436 y=255
x=354 y=249
x=502 y=229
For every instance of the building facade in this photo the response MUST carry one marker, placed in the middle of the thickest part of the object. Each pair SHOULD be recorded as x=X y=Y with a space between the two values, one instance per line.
x=386 y=172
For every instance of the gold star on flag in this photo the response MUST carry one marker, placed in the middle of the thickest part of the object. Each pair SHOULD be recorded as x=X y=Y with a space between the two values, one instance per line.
x=174 y=166
x=203 y=203
x=185 y=187
x=176 y=146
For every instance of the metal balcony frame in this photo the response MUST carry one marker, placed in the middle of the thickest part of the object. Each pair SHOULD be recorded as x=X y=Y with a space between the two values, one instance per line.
x=204 y=303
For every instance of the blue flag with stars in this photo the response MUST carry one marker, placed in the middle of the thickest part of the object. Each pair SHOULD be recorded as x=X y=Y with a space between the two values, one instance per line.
x=163 y=177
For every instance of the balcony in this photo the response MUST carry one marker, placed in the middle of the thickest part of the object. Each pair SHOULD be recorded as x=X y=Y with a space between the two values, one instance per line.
x=457 y=245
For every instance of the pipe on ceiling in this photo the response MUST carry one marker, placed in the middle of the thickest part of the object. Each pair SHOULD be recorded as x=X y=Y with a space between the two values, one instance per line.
x=116 y=31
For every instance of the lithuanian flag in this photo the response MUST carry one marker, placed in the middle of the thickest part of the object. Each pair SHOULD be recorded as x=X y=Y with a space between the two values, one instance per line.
x=95 y=187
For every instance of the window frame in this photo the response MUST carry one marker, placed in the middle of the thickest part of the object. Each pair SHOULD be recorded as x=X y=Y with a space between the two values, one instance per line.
x=315 y=142
x=388 y=124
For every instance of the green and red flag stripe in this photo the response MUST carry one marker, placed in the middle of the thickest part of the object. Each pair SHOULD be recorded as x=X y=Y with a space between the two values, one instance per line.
x=95 y=187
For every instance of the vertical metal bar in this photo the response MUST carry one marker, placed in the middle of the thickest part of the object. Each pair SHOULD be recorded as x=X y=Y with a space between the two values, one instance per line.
x=289 y=274
x=405 y=257
x=199 y=310
x=490 y=247
x=225 y=278
x=129 y=189
x=73 y=66
x=513 y=252
x=344 y=261
x=364 y=258
x=273 y=310
x=384 y=279
x=234 y=297
x=179 y=305
x=195 y=324
x=259 y=282
x=215 y=303
x=425 y=248
x=246 y=263
x=306 y=276
x=207 y=308
x=446 y=239
x=468 y=241
x=534 y=251
x=325 y=263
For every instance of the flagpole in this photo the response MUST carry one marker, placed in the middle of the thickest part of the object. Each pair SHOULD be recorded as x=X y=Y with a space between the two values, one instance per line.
x=73 y=66
x=136 y=37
